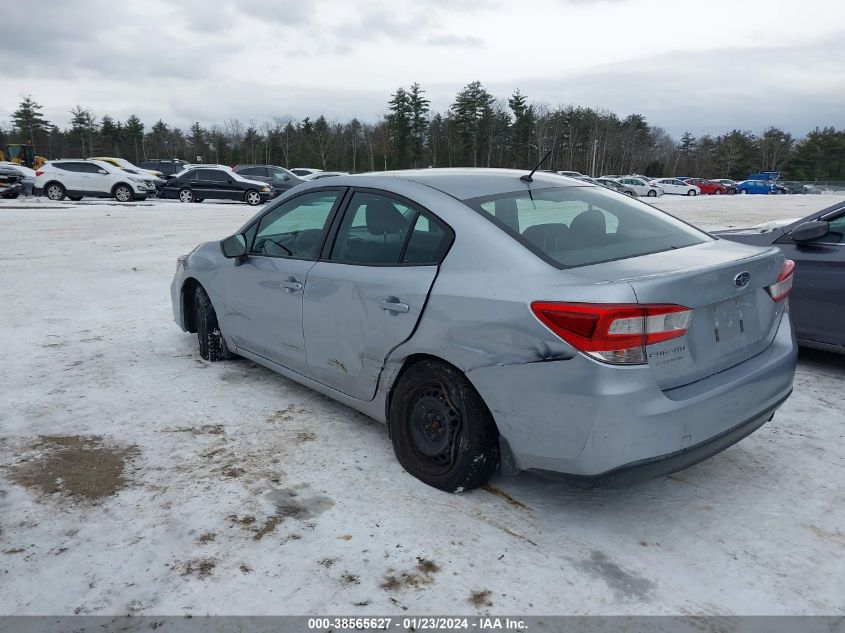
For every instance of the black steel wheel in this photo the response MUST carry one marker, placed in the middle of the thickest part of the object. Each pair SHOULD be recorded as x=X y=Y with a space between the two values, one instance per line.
x=212 y=346
x=442 y=432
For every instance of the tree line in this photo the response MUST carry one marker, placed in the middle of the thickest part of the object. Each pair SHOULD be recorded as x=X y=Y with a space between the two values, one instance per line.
x=477 y=130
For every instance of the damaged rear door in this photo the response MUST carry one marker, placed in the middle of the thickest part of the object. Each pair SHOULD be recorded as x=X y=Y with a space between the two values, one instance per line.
x=368 y=293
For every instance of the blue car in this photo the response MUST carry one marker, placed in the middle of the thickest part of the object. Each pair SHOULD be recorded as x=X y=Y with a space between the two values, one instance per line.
x=755 y=186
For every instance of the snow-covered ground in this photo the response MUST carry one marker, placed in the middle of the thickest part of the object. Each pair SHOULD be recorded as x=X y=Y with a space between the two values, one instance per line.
x=137 y=478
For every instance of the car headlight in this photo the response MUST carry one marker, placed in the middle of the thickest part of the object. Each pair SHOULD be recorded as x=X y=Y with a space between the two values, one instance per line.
x=265 y=189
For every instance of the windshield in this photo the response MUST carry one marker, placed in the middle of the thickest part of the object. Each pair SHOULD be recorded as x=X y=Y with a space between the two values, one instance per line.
x=578 y=226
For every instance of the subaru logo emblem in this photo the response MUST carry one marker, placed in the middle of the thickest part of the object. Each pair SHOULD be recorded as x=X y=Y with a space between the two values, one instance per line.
x=741 y=280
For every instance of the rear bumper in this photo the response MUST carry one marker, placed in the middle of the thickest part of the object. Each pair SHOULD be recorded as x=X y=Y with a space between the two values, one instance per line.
x=646 y=469
x=590 y=420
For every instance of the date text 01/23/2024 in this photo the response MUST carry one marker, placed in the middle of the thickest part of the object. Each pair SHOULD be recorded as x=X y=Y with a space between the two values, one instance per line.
x=417 y=624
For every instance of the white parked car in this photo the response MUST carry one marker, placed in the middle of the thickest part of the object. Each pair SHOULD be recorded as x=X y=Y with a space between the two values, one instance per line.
x=77 y=178
x=27 y=174
x=324 y=174
x=302 y=172
x=130 y=167
x=676 y=187
x=642 y=186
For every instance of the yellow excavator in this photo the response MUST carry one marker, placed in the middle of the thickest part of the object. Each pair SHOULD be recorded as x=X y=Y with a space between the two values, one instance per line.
x=21 y=154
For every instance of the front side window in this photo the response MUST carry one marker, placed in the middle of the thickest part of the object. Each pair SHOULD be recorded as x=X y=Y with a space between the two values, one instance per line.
x=578 y=226
x=279 y=175
x=295 y=228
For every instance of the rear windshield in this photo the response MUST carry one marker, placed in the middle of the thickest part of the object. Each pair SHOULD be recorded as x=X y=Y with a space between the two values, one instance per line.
x=577 y=226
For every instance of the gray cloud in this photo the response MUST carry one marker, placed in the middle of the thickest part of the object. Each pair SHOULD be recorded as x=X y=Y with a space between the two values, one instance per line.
x=448 y=39
x=196 y=60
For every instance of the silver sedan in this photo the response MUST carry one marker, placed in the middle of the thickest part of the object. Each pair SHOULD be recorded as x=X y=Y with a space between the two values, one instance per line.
x=498 y=321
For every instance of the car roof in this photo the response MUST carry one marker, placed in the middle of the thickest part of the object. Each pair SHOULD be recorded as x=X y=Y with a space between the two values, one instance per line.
x=468 y=182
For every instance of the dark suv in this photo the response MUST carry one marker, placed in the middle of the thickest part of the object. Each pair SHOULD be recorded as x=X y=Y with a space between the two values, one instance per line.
x=277 y=177
x=216 y=182
x=168 y=167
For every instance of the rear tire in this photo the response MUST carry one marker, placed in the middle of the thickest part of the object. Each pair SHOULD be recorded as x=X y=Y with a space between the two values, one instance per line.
x=718 y=192
x=198 y=199
x=186 y=195
x=442 y=432
x=691 y=192
x=55 y=191
x=743 y=192
x=75 y=198
x=211 y=344
x=652 y=193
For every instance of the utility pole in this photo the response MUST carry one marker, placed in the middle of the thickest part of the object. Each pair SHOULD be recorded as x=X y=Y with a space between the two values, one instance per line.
x=595 y=151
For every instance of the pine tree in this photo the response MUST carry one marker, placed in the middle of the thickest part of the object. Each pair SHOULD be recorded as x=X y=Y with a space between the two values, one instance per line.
x=470 y=106
x=522 y=125
x=83 y=123
x=418 y=107
x=28 y=120
x=134 y=130
x=399 y=126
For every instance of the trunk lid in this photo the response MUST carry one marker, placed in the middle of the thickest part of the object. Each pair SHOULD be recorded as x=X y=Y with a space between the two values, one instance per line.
x=731 y=321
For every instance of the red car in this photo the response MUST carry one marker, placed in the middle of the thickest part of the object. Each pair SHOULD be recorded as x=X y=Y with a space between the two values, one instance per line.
x=708 y=186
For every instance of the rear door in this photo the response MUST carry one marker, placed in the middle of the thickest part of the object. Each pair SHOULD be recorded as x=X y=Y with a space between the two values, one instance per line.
x=71 y=176
x=817 y=301
x=368 y=295
x=263 y=295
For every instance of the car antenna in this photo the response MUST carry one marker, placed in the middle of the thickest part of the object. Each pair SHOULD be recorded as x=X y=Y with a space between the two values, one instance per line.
x=527 y=177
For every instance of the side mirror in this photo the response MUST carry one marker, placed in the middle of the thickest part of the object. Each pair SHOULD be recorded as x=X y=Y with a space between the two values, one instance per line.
x=234 y=247
x=810 y=231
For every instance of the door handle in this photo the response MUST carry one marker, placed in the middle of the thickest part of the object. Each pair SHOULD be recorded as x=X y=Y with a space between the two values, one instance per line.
x=392 y=304
x=291 y=285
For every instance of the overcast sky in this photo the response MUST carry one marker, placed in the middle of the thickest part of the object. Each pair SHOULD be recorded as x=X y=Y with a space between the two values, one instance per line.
x=691 y=65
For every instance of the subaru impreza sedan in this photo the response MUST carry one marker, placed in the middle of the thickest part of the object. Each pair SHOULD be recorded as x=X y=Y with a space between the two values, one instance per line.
x=497 y=320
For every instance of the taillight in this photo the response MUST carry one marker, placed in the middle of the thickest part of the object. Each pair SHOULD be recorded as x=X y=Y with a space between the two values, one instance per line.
x=615 y=333
x=39 y=173
x=780 y=289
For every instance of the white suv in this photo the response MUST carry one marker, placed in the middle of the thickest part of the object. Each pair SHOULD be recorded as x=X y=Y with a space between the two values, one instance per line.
x=642 y=186
x=77 y=178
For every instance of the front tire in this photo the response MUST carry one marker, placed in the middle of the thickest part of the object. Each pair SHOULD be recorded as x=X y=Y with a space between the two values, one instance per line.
x=743 y=192
x=442 y=432
x=252 y=197
x=55 y=192
x=186 y=195
x=211 y=344
x=691 y=192
x=718 y=192
x=123 y=193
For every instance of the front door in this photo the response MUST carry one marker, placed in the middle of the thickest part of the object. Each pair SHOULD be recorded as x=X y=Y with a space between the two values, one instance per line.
x=369 y=295
x=263 y=305
x=816 y=301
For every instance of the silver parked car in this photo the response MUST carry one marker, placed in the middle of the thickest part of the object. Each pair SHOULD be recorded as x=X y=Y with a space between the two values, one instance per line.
x=496 y=320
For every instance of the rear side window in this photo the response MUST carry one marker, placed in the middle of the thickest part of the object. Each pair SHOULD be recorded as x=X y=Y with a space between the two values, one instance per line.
x=578 y=226
x=210 y=175
x=77 y=167
x=379 y=230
